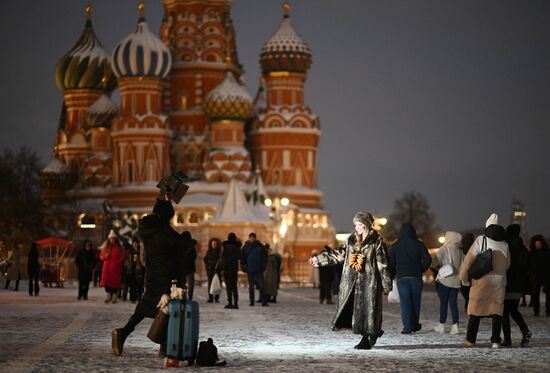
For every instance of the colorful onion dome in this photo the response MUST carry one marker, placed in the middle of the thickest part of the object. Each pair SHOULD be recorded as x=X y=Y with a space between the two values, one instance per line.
x=229 y=100
x=141 y=54
x=86 y=65
x=285 y=50
x=102 y=112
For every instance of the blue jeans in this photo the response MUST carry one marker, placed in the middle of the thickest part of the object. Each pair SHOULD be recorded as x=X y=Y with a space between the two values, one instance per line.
x=447 y=296
x=410 y=297
x=258 y=278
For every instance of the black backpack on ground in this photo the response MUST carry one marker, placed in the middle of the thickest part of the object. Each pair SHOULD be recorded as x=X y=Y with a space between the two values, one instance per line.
x=208 y=354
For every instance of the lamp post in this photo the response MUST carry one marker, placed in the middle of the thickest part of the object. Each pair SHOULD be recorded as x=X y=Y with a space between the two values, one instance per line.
x=278 y=207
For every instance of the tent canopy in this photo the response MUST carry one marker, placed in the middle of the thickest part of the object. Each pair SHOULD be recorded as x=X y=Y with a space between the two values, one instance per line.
x=55 y=241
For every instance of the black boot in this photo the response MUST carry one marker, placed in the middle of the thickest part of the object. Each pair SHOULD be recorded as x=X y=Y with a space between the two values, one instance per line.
x=118 y=337
x=526 y=338
x=374 y=338
x=364 y=344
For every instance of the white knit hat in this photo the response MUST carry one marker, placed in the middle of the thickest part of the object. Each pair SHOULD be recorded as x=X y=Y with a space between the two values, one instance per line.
x=493 y=219
x=111 y=234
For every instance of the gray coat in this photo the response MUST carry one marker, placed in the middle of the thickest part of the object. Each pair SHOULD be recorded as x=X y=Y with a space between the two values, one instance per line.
x=14 y=272
x=361 y=293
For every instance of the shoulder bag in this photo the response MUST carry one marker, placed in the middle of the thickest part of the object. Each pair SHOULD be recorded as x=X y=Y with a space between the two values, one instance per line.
x=448 y=269
x=483 y=263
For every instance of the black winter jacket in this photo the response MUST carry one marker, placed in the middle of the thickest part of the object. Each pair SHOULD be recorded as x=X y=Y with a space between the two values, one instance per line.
x=212 y=259
x=409 y=257
x=164 y=253
x=516 y=275
x=85 y=261
x=231 y=256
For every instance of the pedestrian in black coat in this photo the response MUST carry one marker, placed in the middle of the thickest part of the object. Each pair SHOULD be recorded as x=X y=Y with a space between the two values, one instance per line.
x=409 y=259
x=33 y=269
x=85 y=262
x=230 y=265
x=212 y=264
x=540 y=267
x=516 y=283
x=164 y=261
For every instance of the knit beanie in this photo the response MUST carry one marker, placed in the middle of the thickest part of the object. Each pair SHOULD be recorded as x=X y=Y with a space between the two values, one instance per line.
x=365 y=218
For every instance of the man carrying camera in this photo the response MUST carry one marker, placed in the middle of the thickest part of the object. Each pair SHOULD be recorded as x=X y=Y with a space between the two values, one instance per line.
x=165 y=251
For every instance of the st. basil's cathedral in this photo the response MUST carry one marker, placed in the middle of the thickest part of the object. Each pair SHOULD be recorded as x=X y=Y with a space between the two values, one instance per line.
x=183 y=106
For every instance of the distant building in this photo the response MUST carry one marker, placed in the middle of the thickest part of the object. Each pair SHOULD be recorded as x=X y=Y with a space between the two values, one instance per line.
x=184 y=107
x=519 y=215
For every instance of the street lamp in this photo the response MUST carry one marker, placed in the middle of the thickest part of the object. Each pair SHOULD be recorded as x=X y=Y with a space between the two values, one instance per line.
x=379 y=223
x=441 y=239
x=280 y=228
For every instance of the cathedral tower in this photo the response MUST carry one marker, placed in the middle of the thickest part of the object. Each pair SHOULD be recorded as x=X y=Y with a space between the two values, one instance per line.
x=83 y=74
x=141 y=134
x=285 y=134
x=195 y=31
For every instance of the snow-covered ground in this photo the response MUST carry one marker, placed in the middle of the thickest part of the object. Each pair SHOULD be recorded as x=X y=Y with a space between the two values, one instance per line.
x=56 y=333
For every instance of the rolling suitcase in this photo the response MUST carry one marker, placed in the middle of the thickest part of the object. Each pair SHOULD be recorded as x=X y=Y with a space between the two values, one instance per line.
x=183 y=332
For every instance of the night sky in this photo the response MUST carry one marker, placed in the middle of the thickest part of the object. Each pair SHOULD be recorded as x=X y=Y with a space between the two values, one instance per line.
x=446 y=98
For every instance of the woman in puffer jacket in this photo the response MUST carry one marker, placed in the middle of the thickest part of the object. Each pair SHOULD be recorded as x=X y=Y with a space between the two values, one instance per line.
x=449 y=254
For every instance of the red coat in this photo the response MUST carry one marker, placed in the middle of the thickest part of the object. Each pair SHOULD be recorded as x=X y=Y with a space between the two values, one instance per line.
x=113 y=257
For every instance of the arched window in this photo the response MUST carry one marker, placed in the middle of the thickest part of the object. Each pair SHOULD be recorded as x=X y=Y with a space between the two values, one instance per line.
x=193 y=218
x=180 y=218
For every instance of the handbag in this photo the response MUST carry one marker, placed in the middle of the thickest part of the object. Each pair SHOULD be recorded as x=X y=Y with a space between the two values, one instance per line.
x=448 y=269
x=393 y=295
x=483 y=263
x=216 y=285
x=158 y=330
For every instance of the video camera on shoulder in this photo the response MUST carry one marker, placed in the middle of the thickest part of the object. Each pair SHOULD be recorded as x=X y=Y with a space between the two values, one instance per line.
x=173 y=186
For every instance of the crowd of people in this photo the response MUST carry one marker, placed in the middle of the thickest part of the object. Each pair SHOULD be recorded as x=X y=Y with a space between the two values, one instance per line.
x=369 y=268
x=360 y=272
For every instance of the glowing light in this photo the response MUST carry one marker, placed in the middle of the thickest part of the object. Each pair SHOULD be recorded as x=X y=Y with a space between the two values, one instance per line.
x=285 y=201
x=342 y=237
x=268 y=202
x=382 y=221
x=441 y=239
x=283 y=229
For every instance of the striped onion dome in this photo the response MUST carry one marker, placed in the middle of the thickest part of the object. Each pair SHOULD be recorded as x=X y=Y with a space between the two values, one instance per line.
x=102 y=112
x=141 y=54
x=229 y=100
x=285 y=50
x=86 y=65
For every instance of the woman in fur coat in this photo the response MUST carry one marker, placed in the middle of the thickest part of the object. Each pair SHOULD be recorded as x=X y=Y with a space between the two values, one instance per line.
x=365 y=279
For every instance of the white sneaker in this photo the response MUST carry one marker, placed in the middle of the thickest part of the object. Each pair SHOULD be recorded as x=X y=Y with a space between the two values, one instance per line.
x=496 y=345
x=454 y=329
x=440 y=328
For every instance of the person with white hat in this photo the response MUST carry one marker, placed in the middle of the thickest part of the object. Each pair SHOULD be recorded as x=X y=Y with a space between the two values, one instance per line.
x=112 y=255
x=487 y=293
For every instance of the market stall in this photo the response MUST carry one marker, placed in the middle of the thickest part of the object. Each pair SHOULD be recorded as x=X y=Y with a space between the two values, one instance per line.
x=54 y=254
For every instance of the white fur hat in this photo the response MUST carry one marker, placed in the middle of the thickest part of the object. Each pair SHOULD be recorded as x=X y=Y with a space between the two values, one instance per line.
x=112 y=234
x=493 y=219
